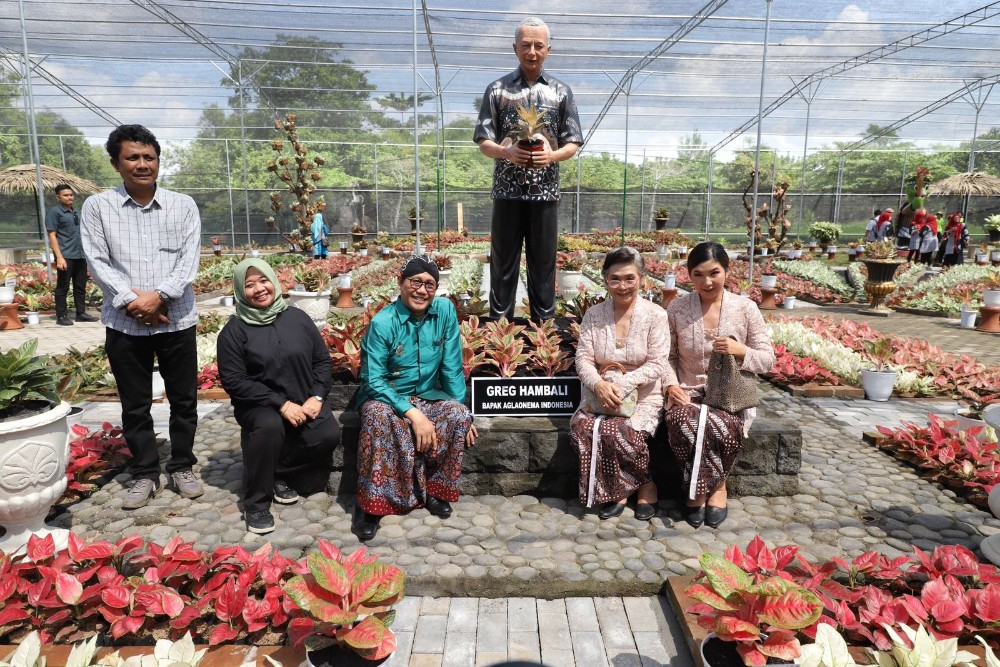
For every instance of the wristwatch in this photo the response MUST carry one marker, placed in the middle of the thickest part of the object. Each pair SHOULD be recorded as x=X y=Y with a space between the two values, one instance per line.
x=319 y=398
x=163 y=297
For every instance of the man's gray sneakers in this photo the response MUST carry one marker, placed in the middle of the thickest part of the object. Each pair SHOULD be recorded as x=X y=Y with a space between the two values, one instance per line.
x=140 y=493
x=186 y=484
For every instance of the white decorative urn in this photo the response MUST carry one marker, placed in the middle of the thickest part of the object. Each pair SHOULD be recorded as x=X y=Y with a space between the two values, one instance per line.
x=34 y=453
x=316 y=304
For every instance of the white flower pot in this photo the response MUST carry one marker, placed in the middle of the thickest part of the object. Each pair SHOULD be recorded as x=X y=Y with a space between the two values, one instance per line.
x=216 y=247
x=443 y=278
x=788 y=302
x=569 y=283
x=763 y=252
x=32 y=319
x=6 y=295
x=768 y=281
x=981 y=258
x=228 y=300
x=965 y=422
x=34 y=452
x=255 y=253
x=670 y=280
x=968 y=319
x=316 y=304
x=995 y=256
x=363 y=252
x=991 y=298
x=878 y=384
x=159 y=389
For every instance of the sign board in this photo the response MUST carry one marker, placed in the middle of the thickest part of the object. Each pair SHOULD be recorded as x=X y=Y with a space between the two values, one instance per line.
x=525 y=396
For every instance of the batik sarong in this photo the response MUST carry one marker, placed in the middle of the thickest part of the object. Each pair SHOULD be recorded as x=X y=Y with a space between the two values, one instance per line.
x=722 y=442
x=621 y=464
x=393 y=478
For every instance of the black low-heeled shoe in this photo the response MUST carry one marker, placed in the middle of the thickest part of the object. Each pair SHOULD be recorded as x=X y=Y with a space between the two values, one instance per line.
x=714 y=516
x=695 y=516
x=645 y=511
x=364 y=525
x=439 y=508
x=611 y=510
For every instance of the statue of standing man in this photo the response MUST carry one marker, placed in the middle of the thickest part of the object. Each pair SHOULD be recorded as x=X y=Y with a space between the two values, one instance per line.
x=528 y=124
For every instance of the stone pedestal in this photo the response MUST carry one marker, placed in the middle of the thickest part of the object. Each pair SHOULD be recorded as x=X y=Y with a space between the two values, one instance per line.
x=669 y=294
x=8 y=318
x=989 y=319
x=767 y=299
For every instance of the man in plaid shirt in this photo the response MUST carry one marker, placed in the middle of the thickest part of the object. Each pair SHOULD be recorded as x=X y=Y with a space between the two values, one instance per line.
x=143 y=244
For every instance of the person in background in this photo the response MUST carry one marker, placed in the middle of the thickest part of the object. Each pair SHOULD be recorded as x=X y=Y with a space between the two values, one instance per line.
x=956 y=240
x=883 y=225
x=928 y=239
x=143 y=243
x=414 y=424
x=870 y=227
x=631 y=331
x=319 y=231
x=709 y=319
x=276 y=368
x=62 y=223
x=915 y=237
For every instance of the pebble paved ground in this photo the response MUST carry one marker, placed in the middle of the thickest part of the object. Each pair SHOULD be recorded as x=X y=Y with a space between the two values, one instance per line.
x=853 y=498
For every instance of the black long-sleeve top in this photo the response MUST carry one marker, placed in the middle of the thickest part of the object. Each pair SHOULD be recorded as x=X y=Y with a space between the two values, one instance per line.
x=286 y=360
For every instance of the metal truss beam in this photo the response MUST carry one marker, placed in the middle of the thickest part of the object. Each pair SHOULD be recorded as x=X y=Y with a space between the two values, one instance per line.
x=36 y=67
x=930 y=108
x=916 y=39
x=680 y=33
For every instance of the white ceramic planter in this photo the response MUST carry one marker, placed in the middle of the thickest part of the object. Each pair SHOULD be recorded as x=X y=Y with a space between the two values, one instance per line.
x=34 y=452
x=991 y=298
x=981 y=258
x=316 y=304
x=255 y=253
x=968 y=319
x=229 y=300
x=670 y=280
x=878 y=384
x=995 y=256
x=33 y=319
x=569 y=283
x=363 y=252
x=788 y=302
x=443 y=277
x=768 y=281
x=6 y=295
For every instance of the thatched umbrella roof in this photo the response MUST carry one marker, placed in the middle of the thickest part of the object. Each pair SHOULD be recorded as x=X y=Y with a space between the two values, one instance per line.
x=973 y=183
x=22 y=179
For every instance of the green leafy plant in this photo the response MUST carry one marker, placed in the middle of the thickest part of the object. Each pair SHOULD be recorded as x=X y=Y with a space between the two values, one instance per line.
x=992 y=222
x=345 y=600
x=505 y=347
x=824 y=232
x=884 y=249
x=314 y=279
x=880 y=351
x=81 y=371
x=473 y=345
x=760 y=613
x=25 y=379
x=570 y=261
x=920 y=649
x=661 y=213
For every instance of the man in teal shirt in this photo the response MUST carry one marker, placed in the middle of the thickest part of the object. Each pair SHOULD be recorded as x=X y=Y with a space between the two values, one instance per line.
x=414 y=425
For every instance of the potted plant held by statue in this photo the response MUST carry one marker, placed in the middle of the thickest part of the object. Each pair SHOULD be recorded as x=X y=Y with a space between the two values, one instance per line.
x=528 y=135
x=879 y=381
x=34 y=446
x=344 y=608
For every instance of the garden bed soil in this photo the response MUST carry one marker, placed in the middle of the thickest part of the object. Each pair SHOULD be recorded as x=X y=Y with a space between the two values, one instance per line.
x=217 y=656
x=973 y=495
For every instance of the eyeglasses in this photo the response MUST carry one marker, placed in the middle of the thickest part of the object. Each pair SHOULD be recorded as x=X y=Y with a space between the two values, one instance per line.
x=417 y=283
x=627 y=282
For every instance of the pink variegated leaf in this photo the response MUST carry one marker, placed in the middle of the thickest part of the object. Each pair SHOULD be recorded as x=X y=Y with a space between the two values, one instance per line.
x=329 y=574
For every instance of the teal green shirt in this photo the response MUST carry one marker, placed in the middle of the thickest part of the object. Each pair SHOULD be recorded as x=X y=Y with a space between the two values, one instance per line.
x=403 y=357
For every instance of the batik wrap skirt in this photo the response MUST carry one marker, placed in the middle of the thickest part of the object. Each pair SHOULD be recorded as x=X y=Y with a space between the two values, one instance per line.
x=393 y=478
x=614 y=463
x=723 y=440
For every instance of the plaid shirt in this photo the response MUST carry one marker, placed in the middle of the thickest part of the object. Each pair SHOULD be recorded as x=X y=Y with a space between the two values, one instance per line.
x=152 y=247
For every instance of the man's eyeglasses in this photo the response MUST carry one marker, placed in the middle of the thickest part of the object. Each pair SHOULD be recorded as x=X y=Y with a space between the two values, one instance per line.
x=627 y=282
x=417 y=283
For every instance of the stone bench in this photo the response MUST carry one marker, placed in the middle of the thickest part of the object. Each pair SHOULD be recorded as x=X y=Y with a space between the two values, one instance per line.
x=533 y=456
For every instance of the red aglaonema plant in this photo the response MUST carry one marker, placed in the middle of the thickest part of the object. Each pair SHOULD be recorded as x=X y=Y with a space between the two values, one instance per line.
x=759 y=612
x=505 y=347
x=346 y=601
x=547 y=356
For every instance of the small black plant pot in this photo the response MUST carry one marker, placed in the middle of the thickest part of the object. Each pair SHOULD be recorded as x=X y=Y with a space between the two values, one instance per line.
x=994 y=235
x=338 y=656
x=661 y=223
x=718 y=653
